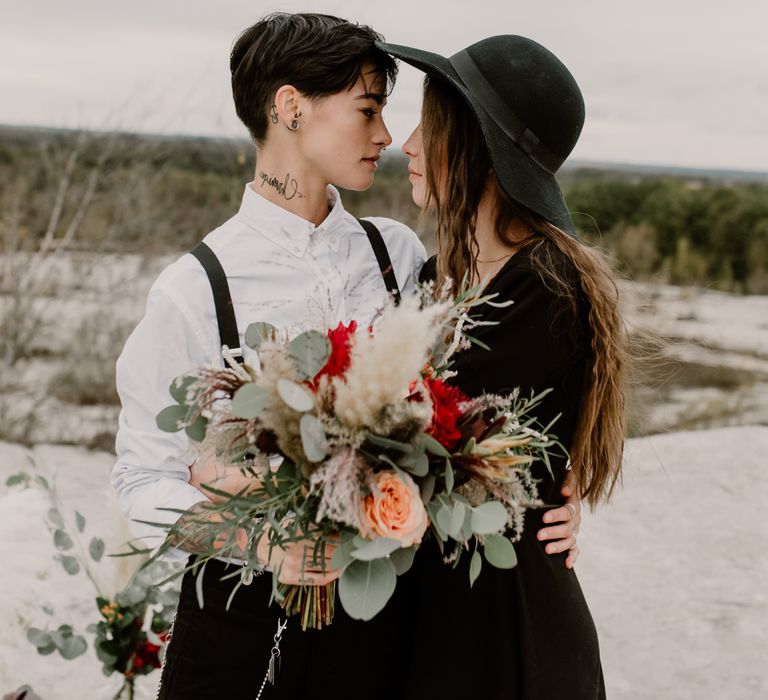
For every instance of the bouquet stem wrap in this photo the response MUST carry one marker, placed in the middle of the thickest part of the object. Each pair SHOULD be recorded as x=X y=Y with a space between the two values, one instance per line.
x=314 y=605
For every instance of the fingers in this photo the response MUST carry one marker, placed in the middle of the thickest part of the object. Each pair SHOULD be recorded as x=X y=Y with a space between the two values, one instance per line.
x=300 y=567
x=563 y=514
x=573 y=555
x=562 y=545
x=556 y=532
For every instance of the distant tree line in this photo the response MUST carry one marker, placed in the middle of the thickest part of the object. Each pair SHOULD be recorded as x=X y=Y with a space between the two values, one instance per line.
x=154 y=195
x=679 y=230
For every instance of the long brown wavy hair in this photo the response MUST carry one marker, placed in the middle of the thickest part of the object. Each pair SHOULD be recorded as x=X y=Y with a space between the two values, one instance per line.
x=453 y=140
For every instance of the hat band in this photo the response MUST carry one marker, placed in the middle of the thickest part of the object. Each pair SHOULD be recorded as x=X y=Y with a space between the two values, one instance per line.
x=503 y=117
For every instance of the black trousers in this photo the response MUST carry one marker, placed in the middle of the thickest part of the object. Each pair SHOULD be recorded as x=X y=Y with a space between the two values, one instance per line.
x=217 y=653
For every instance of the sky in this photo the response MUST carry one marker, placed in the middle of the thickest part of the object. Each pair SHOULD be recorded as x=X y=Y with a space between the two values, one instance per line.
x=674 y=82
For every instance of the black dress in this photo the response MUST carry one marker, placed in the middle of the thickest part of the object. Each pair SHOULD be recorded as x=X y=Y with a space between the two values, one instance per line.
x=524 y=633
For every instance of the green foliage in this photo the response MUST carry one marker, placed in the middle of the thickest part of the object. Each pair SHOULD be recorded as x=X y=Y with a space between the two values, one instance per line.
x=19 y=479
x=500 y=552
x=680 y=230
x=249 y=401
x=64 y=640
x=366 y=586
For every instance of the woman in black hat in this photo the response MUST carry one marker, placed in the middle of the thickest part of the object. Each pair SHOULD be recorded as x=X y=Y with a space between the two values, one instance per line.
x=498 y=120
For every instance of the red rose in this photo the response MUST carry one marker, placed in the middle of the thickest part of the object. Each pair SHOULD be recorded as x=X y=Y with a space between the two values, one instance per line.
x=341 y=348
x=147 y=654
x=445 y=412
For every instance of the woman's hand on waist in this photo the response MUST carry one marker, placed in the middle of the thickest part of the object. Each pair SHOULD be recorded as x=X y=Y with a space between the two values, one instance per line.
x=562 y=524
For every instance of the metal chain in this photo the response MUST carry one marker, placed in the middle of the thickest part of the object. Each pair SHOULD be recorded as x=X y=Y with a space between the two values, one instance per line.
x=274 y=658
x=168 y=639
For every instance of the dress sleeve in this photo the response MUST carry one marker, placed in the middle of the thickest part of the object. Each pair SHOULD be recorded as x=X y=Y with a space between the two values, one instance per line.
x=152 y=469
x=536 y=342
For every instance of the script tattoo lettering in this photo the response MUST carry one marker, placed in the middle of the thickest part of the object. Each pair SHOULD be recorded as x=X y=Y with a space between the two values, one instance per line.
x=273 y=114
x=288 y=188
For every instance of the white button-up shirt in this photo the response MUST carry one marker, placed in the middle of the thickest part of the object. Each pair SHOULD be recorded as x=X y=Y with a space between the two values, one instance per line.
x=281 y=269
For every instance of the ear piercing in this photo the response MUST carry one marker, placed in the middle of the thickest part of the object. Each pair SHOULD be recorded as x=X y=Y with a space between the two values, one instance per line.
x=295 y=123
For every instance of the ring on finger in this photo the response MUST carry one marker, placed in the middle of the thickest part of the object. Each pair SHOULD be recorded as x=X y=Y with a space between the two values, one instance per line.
x=573 y=509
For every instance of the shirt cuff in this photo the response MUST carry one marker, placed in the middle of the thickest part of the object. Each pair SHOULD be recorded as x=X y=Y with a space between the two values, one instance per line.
x=168 y=497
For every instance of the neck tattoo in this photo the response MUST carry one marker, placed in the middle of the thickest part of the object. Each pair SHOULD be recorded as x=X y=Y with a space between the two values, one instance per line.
x=288 y=188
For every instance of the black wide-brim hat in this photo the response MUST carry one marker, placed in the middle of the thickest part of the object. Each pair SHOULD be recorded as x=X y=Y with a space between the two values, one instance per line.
x=529 y=107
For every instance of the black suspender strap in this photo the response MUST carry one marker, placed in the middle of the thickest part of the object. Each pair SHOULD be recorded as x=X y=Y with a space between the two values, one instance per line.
x=382 y=255
x=222 y=299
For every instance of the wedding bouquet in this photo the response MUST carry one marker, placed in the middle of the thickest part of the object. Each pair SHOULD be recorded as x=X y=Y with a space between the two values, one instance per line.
x=353 y=438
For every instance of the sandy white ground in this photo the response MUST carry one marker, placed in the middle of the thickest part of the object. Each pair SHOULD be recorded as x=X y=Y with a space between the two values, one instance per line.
x=675 y=570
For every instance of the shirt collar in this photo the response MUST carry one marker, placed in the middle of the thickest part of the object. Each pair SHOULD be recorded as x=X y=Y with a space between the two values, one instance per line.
x=289 y=230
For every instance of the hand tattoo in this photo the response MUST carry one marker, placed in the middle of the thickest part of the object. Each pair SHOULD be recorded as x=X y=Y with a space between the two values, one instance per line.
x=190 y=535
x=289 y=188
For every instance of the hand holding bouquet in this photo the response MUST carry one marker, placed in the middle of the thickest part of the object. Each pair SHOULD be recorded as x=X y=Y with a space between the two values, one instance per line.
x=352 y=439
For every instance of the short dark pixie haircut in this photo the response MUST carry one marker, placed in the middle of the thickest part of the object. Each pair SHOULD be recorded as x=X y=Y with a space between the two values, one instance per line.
x=318 y=54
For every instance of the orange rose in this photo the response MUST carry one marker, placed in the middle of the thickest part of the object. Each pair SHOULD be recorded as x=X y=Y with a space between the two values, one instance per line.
x=395 y=510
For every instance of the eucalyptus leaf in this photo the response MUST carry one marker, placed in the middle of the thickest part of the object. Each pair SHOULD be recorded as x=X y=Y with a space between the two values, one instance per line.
x=42 y=481
x=295 y=396
x=16 y=479
x=180 y=387
x=171 y=418
x=313 y=439
x=62 y=541
x=309 y=352
x=38 y=637
x=257 y=333
x=434 y=446
x=72 y=647
x=488 y=518
x=70 y=564
x=79 y=521
x=366 y=586
x=342 y=555
x=46 y=650
x=457 y=520
x=403 y=559
x=449 y=477
x=444 y=517
x=427 y=488
x=197 y=429
x=249 y=401
x=433 y=508
x=416 y=464
x=500 y=552
x=390 y=444
x=96 y=549
x=54 y=517
x=375 y=549
x=475 y=565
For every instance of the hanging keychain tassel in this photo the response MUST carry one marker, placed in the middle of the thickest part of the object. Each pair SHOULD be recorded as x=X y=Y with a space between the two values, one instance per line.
x=274 y=658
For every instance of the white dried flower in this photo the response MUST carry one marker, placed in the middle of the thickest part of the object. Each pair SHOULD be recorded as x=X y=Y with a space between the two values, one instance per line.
x=383 y=365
